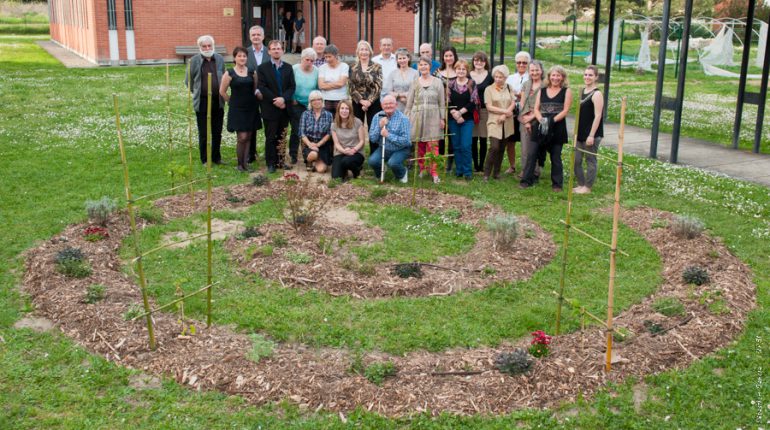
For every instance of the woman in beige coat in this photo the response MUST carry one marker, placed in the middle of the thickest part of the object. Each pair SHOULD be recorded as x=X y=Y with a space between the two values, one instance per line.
x=500 y=105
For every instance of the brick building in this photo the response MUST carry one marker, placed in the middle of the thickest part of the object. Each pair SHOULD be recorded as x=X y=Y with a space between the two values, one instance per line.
x=112 y=32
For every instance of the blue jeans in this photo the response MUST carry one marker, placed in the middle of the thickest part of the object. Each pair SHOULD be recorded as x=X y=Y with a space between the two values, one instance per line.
x=393 y=159
x=462 y=135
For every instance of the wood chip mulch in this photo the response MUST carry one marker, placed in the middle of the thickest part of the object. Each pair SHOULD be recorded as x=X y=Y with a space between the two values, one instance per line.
x=461 y=381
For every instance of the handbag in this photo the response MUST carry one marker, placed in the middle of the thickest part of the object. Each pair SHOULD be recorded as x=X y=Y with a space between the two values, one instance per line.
x=476 y=117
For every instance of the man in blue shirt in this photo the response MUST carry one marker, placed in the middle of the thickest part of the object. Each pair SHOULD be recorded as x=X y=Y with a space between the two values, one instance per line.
x=391 y=127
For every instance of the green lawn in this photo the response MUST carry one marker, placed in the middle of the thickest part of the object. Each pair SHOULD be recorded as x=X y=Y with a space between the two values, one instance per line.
x=58 y=149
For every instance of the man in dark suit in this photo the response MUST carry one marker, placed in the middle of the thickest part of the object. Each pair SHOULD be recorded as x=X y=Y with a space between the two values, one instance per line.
x=257 y=56
x=276 y=82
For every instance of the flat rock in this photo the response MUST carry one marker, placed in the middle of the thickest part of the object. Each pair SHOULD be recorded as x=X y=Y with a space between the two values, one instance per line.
x=37 y=324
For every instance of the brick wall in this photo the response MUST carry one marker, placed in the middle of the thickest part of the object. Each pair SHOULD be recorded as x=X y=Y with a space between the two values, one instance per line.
x=72 y=26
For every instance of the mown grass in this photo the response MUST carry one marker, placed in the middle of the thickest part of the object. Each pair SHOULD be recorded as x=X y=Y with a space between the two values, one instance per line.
x=57 y=149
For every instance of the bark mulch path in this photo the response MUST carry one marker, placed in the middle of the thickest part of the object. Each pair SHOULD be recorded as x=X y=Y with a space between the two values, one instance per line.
x=461 y=381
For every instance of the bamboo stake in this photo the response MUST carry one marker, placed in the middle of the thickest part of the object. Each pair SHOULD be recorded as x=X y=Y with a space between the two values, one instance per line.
x=567 y=220
x=210 y=243
x=132 y=220
x=189 y=136
x=177 y=300
x=168 y=126
x=157 y=193
x=614 y=247
x=584 y=233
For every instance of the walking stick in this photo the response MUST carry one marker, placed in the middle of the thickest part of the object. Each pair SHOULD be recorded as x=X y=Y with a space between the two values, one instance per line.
x=382 y=162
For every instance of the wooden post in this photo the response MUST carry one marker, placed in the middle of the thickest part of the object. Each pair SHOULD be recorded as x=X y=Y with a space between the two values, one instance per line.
x=168 y=126
x=132 y=220
x=208 y=202
x=567 y=223
x=614 y=245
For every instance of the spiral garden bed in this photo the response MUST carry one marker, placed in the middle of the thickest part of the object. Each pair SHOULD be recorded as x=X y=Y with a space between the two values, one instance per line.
x=458 y=380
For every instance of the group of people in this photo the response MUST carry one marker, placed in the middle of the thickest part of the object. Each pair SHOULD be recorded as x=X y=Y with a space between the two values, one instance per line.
x=466 y=112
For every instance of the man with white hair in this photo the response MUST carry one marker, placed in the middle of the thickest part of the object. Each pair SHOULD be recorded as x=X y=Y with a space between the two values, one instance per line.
x=515 y=82
x=426 y=50
x=202 y=65
x=391 y=131
x=385 y=58
x=319 y=44
x=257 y=54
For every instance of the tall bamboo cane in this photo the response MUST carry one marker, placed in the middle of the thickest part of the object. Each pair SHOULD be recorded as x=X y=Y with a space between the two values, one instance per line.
x=614 y=247
x=567 y=224
x=189 y=136
x=168 y=126
x=134 y=231
x=208 y=203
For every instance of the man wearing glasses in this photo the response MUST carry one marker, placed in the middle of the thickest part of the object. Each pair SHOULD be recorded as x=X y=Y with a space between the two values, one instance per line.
x=515 y=82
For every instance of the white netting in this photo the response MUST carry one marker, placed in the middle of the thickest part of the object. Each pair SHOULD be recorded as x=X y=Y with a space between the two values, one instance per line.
x=644 y=61
x=720 y=52
x=601 y=48
x=761 y=46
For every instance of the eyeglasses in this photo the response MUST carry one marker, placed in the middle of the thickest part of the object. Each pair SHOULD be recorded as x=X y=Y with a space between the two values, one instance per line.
x=522 y=62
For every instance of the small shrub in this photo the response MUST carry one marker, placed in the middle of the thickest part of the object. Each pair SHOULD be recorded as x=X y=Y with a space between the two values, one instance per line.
x=232 y=198
x=408 y=270
x=453 y=214
x=261 y=347
x=377 y=372
x=695 y=275
x=621 y=334
x=659 y=223
x=529 y=234
x=713 y=254
x=653 y=327
x=326 y=245
x=250 y=232
x=267 y=250
x=357 y=361
x=718 y=307
x=504 y=230
x=279 y=240
x=488 y=271
x=668 y=306
x=99 y=210
x=150 y=214
x=366 y=269
x=95 y=233
x=94 y=293
x=687 y=226
x=71 y=262
x=513 y=363
x=378 y=193
x=299 y=257
x=540 y=345
x=259 y=180
x=304 y=202
x=132 y=312
x=479 y=204
x=348 y=262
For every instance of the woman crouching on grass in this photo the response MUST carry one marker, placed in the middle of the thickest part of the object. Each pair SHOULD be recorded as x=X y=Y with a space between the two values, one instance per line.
x=590 y=131
x=551 y=108
x=348 y=134
x=314 y=130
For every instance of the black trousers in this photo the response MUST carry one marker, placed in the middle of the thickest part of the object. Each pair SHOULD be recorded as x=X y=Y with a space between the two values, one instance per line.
x=275 y=132
x=369 y=114
x=342 y=164
x=217 y=121
x=295 y=113
x=557 y=167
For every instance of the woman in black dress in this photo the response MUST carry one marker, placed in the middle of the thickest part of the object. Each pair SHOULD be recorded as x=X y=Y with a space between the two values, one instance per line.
x=242 y=117
x=552 y=105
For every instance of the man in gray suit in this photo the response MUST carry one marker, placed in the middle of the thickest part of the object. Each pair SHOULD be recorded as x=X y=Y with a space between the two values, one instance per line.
x=207 y=62
x=257 y=54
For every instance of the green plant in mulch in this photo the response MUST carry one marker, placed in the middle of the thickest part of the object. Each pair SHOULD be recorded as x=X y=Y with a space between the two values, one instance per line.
x=261 y=347
x=652 y=327
x=151 y=214
x=71 y=262
x=94 y=293
x=133 y=311
x=259 y=180
x=687 y=226
x=250 y=232
x=279 y=240
x=408 y=270
x=621 y=334
x=504 y=230
x=232 y=198
x=696 y=275
x=299 y=257
x=378 y=193
x=668 y=306
x=377 y=372
x=99 y=210
x=515 y=362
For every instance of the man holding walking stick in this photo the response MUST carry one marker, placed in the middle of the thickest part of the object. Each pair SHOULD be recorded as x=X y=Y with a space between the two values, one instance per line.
x=392 y=128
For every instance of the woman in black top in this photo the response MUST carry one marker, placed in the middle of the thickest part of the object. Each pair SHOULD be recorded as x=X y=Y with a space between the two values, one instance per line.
x=551 y=108
x=483 y=78
x=590 y=131
x=242 y=117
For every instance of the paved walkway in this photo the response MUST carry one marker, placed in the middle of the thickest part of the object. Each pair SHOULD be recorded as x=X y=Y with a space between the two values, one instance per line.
x=68 y=58
x=693 y=152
